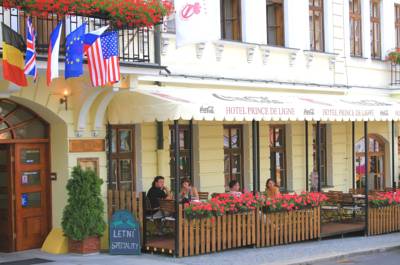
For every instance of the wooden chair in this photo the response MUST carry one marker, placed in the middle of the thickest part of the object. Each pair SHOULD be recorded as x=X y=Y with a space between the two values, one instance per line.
x=348 y=207
x=152 y=214
x=331 y=211
x=203 y=196
x=167 y=207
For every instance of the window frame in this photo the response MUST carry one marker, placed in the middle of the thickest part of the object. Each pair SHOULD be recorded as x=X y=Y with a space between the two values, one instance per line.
x=376 y=53
x=355 y=18
x=277 y=28
x=273 y=149
x=236 y=23
x=117 y=156
x=183 y=152
x=232 y=151
x=397 y=23
x=324 y=153
x=313 y=20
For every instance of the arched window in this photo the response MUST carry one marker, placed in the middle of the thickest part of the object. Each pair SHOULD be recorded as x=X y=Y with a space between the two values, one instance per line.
x=376 y=163
x=18 y=122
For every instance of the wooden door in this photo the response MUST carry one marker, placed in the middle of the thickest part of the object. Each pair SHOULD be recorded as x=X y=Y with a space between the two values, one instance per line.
x=6 y=205
x=32 y=190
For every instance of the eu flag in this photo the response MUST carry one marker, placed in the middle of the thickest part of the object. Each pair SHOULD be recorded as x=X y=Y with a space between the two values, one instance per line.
x=74 y=52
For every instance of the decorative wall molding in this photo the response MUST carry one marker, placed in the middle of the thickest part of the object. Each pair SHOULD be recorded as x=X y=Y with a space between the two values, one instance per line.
x=164 y=45
x=200 y=49
x=95 y=133
x=292 y=58
x=309 y=58
x=250 y=53
x=219 y=49
x=78 y=133
x=332 y=63
x=265 y=53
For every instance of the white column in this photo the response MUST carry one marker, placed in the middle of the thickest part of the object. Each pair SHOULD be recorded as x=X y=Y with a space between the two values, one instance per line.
x=254 y=21
x=328 y=25
x=387 y=26
x=366 y=28
x=297 y=28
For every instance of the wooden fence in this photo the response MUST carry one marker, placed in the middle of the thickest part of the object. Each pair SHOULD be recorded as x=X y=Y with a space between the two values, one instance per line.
x=126 y=200
x=287 y=227
x=383 y=220
x=201 y=236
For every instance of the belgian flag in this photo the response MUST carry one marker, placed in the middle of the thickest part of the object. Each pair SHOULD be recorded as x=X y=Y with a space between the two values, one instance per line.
x=13 y=56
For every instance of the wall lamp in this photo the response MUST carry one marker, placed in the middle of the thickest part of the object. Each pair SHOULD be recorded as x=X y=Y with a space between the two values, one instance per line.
x=64 y=99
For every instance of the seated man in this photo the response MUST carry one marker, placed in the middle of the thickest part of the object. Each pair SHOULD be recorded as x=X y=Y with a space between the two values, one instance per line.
x=156 y=193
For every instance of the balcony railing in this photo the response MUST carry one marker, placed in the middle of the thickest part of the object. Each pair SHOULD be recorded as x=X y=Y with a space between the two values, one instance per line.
x=134 y=43
x=395 y=74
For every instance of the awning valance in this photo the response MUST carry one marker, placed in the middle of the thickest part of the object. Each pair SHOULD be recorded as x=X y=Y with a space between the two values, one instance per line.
x=160 y=103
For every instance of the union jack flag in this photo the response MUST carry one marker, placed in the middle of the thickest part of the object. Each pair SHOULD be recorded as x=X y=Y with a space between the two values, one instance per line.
x=103 y=59
x=30 y=58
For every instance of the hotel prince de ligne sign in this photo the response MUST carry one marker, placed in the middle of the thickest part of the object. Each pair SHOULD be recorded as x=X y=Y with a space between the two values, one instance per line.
x=124 y=234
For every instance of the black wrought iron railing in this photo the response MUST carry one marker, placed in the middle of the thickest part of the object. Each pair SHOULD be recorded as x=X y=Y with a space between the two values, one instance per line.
x=395 y=74
x=134 y=43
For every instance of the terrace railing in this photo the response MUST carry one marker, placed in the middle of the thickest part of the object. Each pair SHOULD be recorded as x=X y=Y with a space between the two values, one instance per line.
x=395 y=74
x=134 y=43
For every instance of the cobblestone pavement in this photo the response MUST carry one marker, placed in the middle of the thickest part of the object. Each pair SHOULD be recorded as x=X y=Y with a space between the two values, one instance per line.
x=301 y=253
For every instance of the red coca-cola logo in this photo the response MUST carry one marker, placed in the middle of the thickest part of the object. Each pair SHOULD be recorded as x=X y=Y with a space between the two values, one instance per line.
x=189 y=10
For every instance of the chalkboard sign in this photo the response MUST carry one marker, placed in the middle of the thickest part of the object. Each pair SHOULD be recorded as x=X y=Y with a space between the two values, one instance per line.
x=124 y=234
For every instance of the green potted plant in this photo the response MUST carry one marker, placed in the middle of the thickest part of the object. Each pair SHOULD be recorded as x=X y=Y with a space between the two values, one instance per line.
x=83 y=221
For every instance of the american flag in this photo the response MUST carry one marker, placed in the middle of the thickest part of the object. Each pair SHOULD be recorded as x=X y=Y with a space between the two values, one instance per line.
x=103 y=60
x=30 y=58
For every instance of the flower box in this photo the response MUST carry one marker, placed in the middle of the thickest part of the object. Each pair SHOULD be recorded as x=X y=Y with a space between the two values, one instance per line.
x=121 y=13
x=85 y=246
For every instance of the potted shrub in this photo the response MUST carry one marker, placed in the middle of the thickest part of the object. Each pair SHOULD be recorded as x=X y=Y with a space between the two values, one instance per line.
x=83 y=219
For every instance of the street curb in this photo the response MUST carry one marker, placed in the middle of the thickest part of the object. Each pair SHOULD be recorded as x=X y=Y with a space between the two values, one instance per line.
x=341 y=256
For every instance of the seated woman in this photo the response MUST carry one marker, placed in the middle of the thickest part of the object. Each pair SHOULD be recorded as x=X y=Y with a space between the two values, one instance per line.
x=271 y=189
x=188 y=193
x=234 y=188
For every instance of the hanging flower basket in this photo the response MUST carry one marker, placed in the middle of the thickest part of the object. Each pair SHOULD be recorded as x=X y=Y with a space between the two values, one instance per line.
x=394 y=56
x=121 y=13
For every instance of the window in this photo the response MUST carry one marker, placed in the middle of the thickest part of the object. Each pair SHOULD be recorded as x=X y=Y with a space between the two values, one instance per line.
x=376 y=163
x=316 y=15
x=397 y=24
x=375 y=29
x=323 y=154
x=185 y=152
x=355 y=28
x=123 y=158
x=230 y=20
x=18 y=122
x=277 y=144
x=275 y=24
x=233 y=153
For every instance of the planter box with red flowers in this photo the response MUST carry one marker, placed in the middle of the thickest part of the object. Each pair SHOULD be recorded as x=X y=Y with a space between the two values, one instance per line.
x=384 y=199
x=121 y=13
x=228 y=204
x=384 y=213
